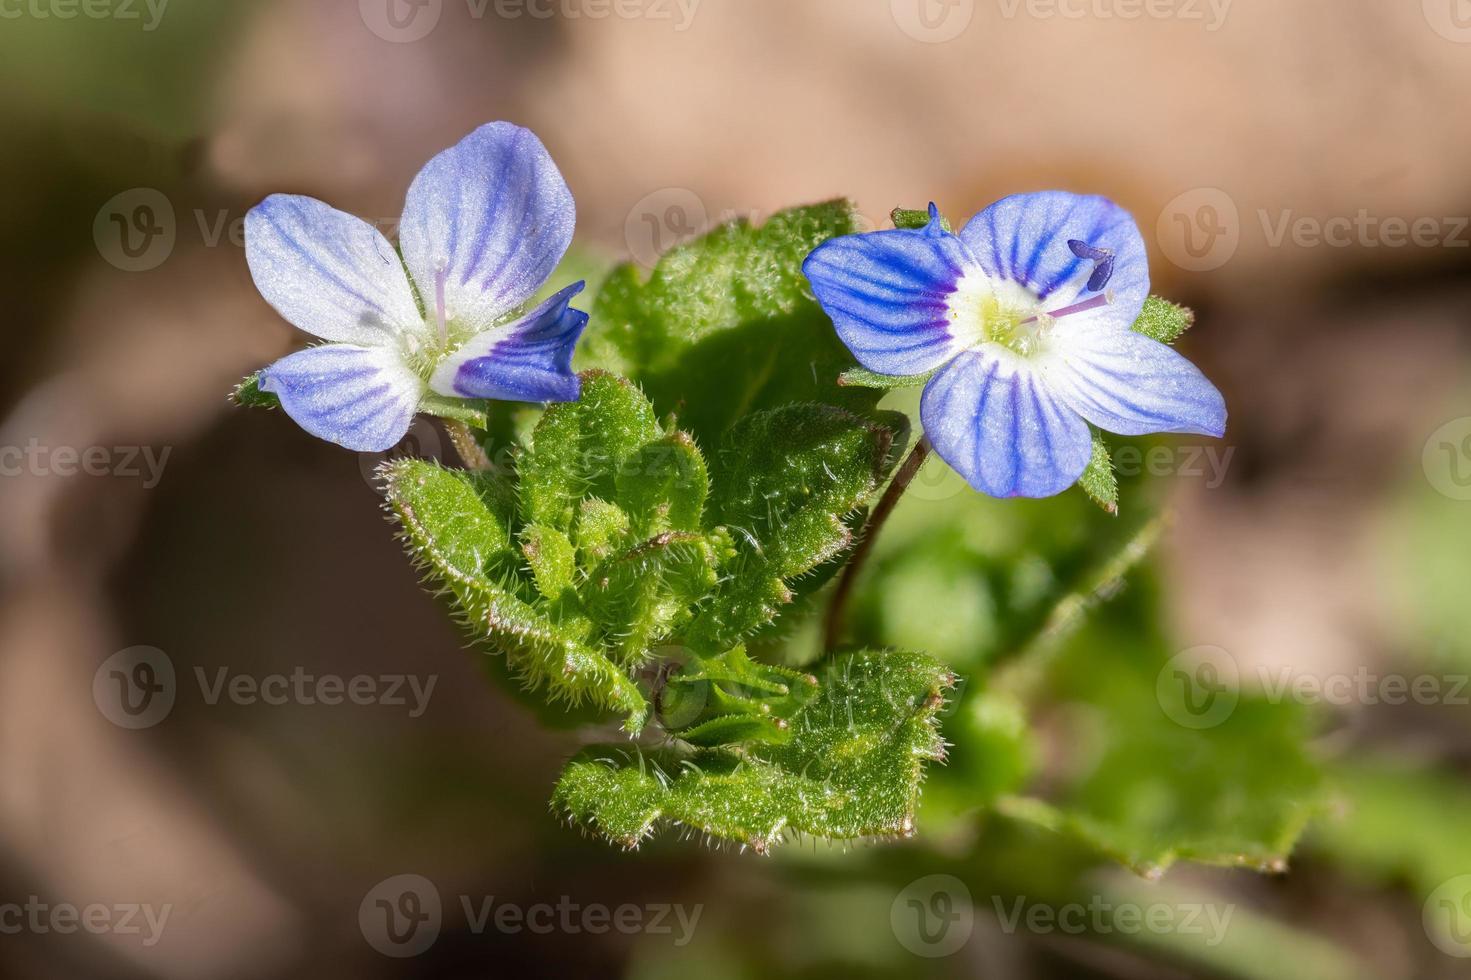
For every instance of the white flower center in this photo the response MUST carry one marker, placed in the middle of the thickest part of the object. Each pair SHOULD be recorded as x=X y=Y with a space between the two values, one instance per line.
x=984 y=310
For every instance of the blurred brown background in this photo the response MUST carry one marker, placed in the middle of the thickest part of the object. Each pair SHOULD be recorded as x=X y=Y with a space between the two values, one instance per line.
x=1300 y=168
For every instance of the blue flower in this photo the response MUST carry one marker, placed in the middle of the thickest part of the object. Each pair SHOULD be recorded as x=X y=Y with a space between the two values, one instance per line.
x=484 y=224
x=1027 y=314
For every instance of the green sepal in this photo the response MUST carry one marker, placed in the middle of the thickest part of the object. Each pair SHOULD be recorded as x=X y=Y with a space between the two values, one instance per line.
x=1099 y=481
x=915 y=218
x=1163 y=321
x=247 y=394
x=864 y=378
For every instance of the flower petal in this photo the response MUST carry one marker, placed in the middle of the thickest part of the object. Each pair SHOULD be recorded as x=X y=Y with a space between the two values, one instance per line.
x=527 y=361
x=362 y=398
x=887 y=294
x=492 y=216
x=996 y=423
x=1025 y=238
x=327 y=272
x=1125 y=382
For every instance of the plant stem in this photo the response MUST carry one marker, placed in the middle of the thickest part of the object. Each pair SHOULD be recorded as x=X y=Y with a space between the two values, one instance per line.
x=463 y=439
x=902 y=478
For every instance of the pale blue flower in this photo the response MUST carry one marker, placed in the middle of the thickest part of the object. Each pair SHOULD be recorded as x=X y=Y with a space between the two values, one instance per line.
x=484 y=225
x=1027 y=314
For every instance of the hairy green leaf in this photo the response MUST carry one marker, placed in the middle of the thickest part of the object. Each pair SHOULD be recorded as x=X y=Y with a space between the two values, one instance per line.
x=727 y=324
x=456 y=526
x=851 y=767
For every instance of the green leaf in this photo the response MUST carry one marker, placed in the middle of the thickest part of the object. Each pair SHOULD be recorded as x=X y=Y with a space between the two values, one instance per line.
x=711 y=701
x=1238 y=795
x=727 y=324
x=579 y=448
x=664 y=485
x=551 y=557
x=1098 y=480
x=1216 y=775
x=786 y=477
x=851 y=768
x=1163 y=321
x=783 y=484
x=455 y=525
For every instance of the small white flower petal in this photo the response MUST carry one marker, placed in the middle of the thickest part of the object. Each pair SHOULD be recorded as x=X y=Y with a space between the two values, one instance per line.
x=327 y=272
x=361 y=398
x=1124 y=382
x=485 y=223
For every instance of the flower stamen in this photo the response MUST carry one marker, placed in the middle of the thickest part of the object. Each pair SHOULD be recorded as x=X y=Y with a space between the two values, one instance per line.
x=1093 y=303
x=441 y=272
